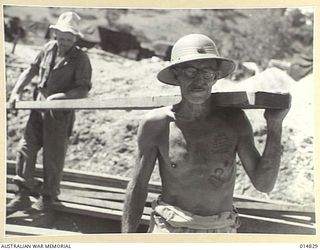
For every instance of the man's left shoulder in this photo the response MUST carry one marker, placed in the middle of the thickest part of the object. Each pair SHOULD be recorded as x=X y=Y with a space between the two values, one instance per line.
x=159 y=116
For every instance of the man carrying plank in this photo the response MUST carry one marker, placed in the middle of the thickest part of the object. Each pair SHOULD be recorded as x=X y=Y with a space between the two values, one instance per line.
x=196 y=144
x=64 y=72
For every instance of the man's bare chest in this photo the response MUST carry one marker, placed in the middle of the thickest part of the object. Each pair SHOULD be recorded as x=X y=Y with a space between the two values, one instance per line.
x=202 y=139
x=202 y=152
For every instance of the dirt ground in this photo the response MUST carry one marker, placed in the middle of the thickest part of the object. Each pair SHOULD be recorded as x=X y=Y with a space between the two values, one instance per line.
x=105 y=141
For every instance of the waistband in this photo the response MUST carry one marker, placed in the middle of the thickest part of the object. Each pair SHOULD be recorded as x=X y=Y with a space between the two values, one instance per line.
x=178 y=217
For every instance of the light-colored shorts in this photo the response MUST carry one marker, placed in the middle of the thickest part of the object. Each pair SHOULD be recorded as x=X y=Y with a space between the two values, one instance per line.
x=166 y=218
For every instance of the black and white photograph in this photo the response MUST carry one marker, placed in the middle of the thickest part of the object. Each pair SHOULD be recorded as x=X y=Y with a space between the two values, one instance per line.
x=159 y=121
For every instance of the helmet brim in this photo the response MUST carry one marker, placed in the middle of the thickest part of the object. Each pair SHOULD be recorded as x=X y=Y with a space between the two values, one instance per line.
x=66 y=29
x=226 y=67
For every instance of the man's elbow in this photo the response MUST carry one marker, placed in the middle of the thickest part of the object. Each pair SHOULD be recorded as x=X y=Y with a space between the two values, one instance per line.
x=264 y=187
x=83 y=92
x=79 y=93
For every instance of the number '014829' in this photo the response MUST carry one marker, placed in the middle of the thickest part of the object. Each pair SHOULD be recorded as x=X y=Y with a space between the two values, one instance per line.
x=309 y=246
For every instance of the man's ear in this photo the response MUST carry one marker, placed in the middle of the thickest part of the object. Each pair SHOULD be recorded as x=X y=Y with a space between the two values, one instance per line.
x=54 y=34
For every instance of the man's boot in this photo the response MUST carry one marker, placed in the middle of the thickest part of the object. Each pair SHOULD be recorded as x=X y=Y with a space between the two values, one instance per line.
x=44 y=203
x=45 y=215
x=20 y=202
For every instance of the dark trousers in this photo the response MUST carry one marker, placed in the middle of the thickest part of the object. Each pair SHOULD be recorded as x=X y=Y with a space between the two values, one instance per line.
x=49 y=130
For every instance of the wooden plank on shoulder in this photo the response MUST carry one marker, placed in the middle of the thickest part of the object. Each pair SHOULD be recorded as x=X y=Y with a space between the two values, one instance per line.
x=251 y=100
x=132 y=103
x=237 y=99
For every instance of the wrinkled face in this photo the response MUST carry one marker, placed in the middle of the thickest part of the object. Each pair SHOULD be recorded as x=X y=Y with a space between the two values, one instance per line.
x=65 y=40
x=196 y=80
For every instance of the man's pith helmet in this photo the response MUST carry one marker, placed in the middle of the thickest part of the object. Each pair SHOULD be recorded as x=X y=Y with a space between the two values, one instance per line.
x=195 y=47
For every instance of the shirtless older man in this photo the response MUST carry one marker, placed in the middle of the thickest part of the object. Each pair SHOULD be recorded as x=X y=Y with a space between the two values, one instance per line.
x=196 y=144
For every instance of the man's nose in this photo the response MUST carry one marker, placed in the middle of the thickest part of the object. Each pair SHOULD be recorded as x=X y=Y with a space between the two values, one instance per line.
x=198 y=83
x=199 y=79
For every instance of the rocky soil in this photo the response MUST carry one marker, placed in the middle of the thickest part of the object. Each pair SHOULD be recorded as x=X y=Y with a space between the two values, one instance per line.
x=105 y=141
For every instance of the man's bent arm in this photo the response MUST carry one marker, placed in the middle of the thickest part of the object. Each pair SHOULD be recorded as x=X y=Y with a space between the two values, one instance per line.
x=263 y=170
x=23 y=80
x=26 y=77
x=267 y=170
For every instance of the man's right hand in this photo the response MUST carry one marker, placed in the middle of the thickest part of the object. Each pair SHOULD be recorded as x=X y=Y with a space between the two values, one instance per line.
x=275 y=116
x=13 y=99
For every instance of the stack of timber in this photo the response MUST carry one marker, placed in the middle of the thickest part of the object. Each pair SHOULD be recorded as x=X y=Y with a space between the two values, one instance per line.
x=101 y=197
